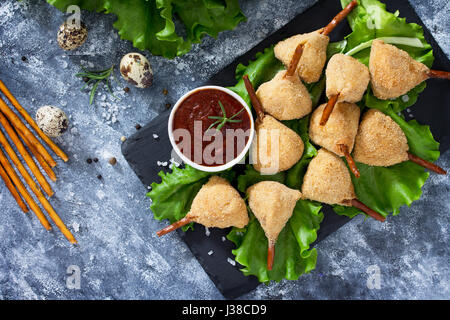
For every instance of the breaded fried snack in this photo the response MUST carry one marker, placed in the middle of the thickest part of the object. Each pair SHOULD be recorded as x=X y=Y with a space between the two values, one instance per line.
x=218 y=204
x=272 y=203
x=276 y=147
x=346 y=77
x=327 y=180
x=393 y=72
x=380 y=141
x=341 y=128
x=314 y=55
x=284 y=97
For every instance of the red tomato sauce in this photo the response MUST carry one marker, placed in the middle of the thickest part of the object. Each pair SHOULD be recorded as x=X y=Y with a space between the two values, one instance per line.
x=201 y=105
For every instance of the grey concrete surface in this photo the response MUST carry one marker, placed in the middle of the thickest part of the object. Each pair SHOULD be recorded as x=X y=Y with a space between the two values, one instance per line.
x=118 y=253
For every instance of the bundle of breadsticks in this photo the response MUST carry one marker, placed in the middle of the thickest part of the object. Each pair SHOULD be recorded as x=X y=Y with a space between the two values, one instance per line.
x=27 y=145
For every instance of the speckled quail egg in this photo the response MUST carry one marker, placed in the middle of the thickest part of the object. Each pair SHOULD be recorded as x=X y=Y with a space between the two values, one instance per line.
x=52 y=121
x=70 y=37
x=136 y=69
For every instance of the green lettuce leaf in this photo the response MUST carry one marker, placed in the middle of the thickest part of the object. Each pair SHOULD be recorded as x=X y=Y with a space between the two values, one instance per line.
x=251 y=177
x=172 y=198
x=370 y=20
x=149 y=23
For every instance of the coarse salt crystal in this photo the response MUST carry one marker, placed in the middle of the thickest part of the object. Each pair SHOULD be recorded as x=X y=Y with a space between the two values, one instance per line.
x=210 y=252
x=155 y=136
x=207 y=232
x=223 y=239
x=172 y=161
x=405 y=98
x=231 y=261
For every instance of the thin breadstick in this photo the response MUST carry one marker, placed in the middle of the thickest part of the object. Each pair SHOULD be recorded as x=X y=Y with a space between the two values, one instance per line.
x=26 y=156
x=349 y=158
x=47 y=206
x=18 y=124
x=361 y=206
x=32 y=123
x=294 y=61
x=270 y=255
x=439 y=74
x=38 y=157
x=253 y=97
x=328 y=109
x=339 y=17
x=173 y=226
x=23 y=191
x=10 y=185
x=426 y=164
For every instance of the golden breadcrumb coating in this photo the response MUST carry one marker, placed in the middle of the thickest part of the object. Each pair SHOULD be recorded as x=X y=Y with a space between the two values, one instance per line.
x=272 y=203
x=218 y=204
x=285 y=98
x=380 y=141
x=327 y=180
x=393 y=72
x=347 y=77
x=286 y=151
x=341 y=128
x=313 y=57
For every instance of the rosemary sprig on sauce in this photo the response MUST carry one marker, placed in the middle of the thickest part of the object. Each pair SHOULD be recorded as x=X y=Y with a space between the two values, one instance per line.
x=223 y=119
x=97 y=77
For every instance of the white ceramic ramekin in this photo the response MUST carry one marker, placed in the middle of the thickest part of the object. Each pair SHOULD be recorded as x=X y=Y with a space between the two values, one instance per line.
x=211 y=168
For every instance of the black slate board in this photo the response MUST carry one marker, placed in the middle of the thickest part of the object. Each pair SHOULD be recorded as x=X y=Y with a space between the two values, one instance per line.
x=142 y=151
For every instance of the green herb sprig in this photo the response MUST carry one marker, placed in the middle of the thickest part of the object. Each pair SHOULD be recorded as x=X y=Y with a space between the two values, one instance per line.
x=97 y=77
x=223 y=119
